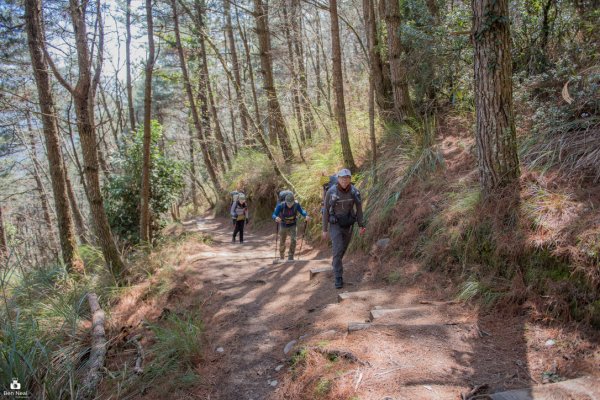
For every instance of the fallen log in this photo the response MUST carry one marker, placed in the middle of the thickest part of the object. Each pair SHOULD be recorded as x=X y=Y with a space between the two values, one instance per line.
x=97 y=352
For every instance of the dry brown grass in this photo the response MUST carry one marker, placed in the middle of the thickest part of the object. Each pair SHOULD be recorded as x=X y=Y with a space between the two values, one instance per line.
x=315 y=376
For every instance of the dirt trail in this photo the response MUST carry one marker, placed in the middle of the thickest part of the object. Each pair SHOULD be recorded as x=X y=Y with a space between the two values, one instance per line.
x=253 y=308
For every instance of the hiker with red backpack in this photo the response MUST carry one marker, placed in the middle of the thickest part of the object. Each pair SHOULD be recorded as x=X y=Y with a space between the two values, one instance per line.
x=285 y=215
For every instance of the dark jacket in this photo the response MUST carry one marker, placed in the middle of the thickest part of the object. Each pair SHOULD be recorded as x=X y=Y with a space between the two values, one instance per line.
x=342 y=202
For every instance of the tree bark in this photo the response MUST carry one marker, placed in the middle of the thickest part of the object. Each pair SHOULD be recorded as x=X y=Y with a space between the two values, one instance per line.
x=39 y=61
x=235 y=66
x=293 y=73
x=83 y=97
x=193 y=172
x=3 y=244
x=325 y=66
x=372 y=126
x=276 y=121
x=338 y=83
x=77 y=215
x=403 y=108
x=193 y=109
x=382 y=86
x=251 y=76
x=128 y=66
x=97 y=352
x=214 y=149
x=38 y=182
x=309 y=121
x=147 y=162
x=218 y=149
x=218 y=131
x=495 y=133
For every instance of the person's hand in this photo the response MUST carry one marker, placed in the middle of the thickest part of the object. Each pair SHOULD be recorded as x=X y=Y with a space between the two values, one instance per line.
x=324 y=235
x=362 y=231
x=308 y=218
x=278 y=219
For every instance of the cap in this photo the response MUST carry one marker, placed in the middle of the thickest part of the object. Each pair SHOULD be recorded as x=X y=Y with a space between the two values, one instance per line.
x=241 y=197
x=344 y=172
x=289 y=199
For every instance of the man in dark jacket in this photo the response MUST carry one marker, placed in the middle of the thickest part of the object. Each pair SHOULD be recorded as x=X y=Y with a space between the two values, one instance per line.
x=342 y=208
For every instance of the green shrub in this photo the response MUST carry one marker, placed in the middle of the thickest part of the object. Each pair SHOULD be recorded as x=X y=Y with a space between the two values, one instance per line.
x=122 y=190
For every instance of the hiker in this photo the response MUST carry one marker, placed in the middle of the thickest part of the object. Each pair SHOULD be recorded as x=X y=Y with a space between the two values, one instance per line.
x=240 y=216
x=285 y=215
x=339 y=216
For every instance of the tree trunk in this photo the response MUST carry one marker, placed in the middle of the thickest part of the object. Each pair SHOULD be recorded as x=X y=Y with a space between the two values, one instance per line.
x=204 y=93
x=218 y=131
x=128 y=66
x=232 y=117
x=495 y=133
x=77 y=216
x=372 y=126
x=214 y=149
x=338 y=84
x=318 y=73
x=293 y=73
x=276 y=121
x=3 y=244
x=97 y=351
x=235 y=66
x=146 y=164
x=35 y=36
x=83 y=97
x=251 y=76
x=193 y=172
x=402 y=105
x=38 y=182
x=382 y=86
x=193 y=109
x=325 y=66
x=309 y=121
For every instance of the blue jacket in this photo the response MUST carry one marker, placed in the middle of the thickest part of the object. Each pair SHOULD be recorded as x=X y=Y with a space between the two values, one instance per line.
x=288 y=215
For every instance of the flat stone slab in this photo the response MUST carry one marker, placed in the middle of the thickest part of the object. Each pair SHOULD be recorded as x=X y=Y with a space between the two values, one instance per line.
x=415 y=330
x=405 y=313
x=358 y=326
x=586 y=388
x=415 y=314
x=316 y=271
x=285 y=261
x=362 y=295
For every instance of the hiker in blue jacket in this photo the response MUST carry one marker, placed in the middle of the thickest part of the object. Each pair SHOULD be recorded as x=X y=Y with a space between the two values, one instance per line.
x=286 y=214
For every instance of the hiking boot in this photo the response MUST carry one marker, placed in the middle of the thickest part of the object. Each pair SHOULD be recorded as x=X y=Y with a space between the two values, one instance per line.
x=290 y=258
x=339 y=283
x=233 y=240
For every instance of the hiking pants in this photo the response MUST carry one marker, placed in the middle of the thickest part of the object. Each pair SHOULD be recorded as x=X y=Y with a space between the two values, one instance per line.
x=340 y=239
x=239 y=227
x=284 y=231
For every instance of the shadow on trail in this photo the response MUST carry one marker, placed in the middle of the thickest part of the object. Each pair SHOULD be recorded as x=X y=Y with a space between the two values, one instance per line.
x=258 y=308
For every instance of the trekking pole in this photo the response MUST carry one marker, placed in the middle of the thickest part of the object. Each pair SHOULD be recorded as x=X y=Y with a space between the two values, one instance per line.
x=276 y=237
x=302 y=240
